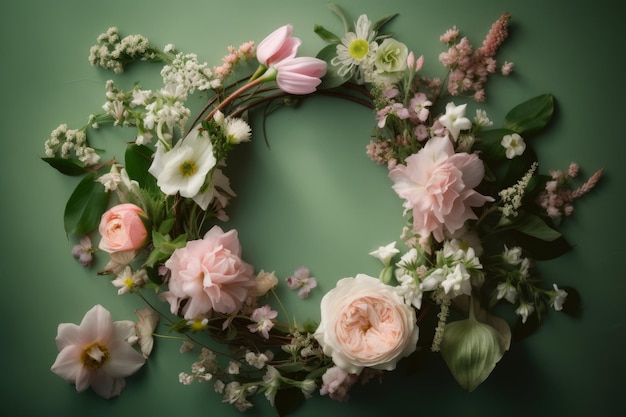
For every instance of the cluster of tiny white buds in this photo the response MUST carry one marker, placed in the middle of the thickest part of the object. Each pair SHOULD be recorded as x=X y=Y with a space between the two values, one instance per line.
x=512 y=196
x=113 y=52
x=66 y=143
x=185 y=70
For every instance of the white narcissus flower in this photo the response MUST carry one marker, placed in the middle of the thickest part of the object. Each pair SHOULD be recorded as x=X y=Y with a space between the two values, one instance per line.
x=96 y=353
x=184 y=168
x=454 y=119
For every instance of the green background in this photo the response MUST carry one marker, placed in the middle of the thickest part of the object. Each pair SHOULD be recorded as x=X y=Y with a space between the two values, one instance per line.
x=312 y=199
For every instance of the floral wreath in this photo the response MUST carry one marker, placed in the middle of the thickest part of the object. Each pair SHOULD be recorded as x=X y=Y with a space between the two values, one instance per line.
x=478 y=214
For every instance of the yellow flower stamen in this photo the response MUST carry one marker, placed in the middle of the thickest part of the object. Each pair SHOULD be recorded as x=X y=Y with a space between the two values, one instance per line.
x=188 y=168
x=358 y=49
x=94 y=356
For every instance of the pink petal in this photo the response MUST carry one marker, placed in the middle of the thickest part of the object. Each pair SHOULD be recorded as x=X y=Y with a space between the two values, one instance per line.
x=107 y=386
x=277 y=46
x=67 y=364
x=123 y=360
x=68 y=334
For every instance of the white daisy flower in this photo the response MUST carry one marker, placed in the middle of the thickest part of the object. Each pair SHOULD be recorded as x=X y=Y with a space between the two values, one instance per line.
x=357 y=49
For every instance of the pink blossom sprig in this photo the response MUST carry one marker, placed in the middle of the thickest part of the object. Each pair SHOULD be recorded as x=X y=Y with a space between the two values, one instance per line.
x=557 y=197
x=235 y=55
x=469 y=68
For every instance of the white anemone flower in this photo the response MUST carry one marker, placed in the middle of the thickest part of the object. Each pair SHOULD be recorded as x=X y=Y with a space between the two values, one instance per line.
x=356 y=48
x=184 y=168
x=96 y=353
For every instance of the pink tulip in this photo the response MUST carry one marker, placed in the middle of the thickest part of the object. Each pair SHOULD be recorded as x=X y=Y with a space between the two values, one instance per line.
x=277 y=46
x=300 y=75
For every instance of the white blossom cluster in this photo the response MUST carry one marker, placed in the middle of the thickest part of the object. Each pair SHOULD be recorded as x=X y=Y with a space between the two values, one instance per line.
x=113 y=52
x=186 y=71
x=64 y=142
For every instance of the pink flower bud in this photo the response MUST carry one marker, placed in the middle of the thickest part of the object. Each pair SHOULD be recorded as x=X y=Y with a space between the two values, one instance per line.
x=300 y=75
x=277 y=46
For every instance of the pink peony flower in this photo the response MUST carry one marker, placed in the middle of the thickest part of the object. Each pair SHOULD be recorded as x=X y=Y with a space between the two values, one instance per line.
x=95 y=353
x=122 y=229
x=277 y=46
x=209 y=275
x=300 y=75
x=438 y=185
x=365 y=323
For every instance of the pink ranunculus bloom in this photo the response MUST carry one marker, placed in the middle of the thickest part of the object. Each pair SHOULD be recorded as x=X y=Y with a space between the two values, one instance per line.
x=366 y=323
x=438 y=186
x=209 y=274
x=300 y=75
x=96 y=353
x=277 y=46
x=122 y=229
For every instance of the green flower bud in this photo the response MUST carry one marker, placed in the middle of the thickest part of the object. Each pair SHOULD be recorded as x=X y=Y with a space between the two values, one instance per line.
x=471 y=350
x=386 y=274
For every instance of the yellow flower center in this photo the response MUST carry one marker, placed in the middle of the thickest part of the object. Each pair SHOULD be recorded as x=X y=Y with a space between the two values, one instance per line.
x=94 y=356
x=358 y=49
x=188 y=168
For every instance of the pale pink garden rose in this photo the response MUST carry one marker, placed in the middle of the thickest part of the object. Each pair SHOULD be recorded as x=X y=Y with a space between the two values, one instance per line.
x=122 y=229
x=438 y=186
x=209 y=274
x=365 y=323
x=96 y=354
x=277 y=46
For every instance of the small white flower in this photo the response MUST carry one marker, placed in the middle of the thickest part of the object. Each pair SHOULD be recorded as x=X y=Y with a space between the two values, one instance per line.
x=385 y=253
x=457 y=282
x=514 y=145
x=454 y=119
x=512 y=256
x=236 y=130
x=506 y=291
x=524 y=310
x=558 y=298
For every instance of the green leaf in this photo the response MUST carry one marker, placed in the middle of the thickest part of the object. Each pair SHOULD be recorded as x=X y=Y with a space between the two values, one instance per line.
x=347 y=26
x=533 y=225
x=542 y=250
x=85 y=206
x=490 y=143
x=288 y=400
x=332 y=78
x=471 y=350
x=66 y=166
x=378 y=25
x=164 y=246
x=530 y=115
x=573 y=302
x=326 y=34
x=138 y=159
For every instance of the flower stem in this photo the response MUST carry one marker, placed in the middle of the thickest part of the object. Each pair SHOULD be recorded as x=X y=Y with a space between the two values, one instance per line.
x=233 y=96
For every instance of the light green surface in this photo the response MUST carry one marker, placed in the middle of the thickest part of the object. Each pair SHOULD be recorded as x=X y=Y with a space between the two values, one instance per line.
x=313 y=199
